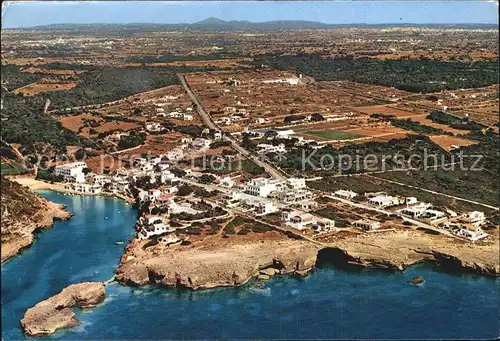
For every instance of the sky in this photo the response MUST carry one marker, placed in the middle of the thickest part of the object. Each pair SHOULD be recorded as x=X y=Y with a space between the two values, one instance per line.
x=26 y=14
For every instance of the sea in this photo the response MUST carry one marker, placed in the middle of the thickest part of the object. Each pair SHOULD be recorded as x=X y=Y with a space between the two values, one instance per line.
x=330 y=303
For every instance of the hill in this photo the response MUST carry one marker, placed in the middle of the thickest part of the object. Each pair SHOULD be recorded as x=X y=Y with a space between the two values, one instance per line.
x=23 y=212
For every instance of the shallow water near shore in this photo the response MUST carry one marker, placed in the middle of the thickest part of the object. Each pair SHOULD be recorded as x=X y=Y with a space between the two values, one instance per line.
x=329 y=303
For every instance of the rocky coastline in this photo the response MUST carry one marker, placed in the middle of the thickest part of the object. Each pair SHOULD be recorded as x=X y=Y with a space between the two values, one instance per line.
x=23 y=214
x=54 y=313
x=216 y=263
x=223 y=262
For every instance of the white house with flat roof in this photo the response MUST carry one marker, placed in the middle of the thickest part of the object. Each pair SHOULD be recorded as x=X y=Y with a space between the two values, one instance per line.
x=296 y=183
x=367 y=224
x=297 y=219
x=264 y=208
x=345 y=194
x=384 y=201
x=201 y=143
x=71 y=171
x=260 y=187
x=474 y=217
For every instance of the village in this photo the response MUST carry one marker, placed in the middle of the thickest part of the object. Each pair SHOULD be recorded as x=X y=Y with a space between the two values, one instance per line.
x=172 y=195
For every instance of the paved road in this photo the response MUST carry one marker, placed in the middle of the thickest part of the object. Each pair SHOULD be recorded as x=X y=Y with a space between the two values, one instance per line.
x=210 y=124
x=434 y=192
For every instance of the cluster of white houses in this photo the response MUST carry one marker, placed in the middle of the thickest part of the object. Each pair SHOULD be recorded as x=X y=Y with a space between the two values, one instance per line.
x=467 y=226
x=177 y=113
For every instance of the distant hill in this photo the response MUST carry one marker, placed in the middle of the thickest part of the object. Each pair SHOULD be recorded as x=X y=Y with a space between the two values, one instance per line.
x=213 y=23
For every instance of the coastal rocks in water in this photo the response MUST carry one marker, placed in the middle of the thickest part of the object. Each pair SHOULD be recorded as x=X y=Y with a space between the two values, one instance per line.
x=55 y=313
x=269 y=271
x=262 y=277
x=417 y=280
x=23 y=213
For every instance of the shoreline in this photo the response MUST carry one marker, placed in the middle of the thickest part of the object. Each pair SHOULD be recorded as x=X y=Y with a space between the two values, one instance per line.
x=53 y=212
x=348 y=256
x=39 y=185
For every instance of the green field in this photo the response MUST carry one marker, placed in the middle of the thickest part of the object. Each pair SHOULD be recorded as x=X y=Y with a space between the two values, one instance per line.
x=332 y=134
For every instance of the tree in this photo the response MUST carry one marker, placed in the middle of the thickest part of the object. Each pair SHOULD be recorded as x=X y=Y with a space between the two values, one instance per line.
x=185 y=190
x=178 y=172
x=245 y=140
x=207 y=179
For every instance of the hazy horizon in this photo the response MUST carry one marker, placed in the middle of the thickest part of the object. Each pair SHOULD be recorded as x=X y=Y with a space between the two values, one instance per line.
x=29 y=14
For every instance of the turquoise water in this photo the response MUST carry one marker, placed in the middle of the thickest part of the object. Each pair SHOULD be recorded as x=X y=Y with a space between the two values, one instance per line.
x=329 y=303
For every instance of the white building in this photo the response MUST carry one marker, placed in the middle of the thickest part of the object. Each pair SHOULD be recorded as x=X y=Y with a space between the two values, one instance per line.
x=201 y=143
x=264 y=208
x=345 y=194
x=84 y=188
x=291 y=81
x=170 y=239
x=474 y=217
x=226 y=182
x=291 y=195
x=411 y=201
x=296 y=183
x=153 y=126
x=367 y=224
x=384 y=201
x=151 y=225
x=269 y=148
x=71 y=171
x=297 y=219
x=153 y=194
x=99 y=179
x=261 y=187
x=471 y=235
x=175 y=154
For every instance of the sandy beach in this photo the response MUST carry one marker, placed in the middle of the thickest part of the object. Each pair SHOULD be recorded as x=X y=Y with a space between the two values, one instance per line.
x=35 y=185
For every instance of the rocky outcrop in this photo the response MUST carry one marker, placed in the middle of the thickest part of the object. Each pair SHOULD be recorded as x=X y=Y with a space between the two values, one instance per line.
x=233 y=261
x=218 y=262
x=399 y=249
x=417 y=280
x=23 y=212
x=465 y=264
x=55 y=313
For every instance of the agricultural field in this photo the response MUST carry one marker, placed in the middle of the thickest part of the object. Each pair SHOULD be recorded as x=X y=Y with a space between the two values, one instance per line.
x=89 y=125
x=386 y=110
x=380 y=132
x=422 y=119
x=269 y=95
x=57 y=72
x=36 y=88
x=332 y=134
x=448 y=142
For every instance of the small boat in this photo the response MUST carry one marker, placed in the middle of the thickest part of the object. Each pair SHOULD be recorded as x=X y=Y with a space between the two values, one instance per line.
x=119 y=242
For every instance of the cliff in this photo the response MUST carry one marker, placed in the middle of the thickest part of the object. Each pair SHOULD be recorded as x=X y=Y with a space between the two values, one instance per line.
x=55 y=313
x=23 y=212
x=216 y=261
x=395 y=250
